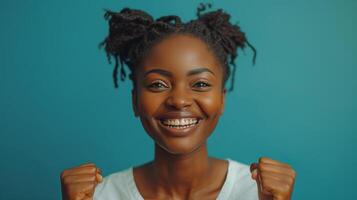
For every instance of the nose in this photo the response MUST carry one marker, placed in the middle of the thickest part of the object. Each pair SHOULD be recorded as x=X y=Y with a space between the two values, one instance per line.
x=179 y=99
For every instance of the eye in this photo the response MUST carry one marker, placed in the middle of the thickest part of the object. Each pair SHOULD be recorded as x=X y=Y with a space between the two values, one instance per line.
x=157 y=85
x=201 y=85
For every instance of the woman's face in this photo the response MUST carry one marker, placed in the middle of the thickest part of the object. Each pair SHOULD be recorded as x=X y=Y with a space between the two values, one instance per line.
x=179 y=95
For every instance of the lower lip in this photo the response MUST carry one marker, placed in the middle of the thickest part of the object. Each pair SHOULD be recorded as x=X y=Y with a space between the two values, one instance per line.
x=179 y=132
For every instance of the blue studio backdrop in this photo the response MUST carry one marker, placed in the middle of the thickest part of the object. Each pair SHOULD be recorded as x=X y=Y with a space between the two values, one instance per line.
x=59 y=108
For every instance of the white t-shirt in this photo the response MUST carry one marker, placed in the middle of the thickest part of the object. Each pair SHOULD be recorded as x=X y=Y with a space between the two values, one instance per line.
x=238 y=185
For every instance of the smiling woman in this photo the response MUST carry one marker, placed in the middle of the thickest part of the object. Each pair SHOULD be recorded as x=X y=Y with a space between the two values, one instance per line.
x=179 y=71
x=186 y=91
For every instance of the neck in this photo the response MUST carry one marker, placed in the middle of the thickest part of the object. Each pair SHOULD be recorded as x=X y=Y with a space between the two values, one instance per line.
x=180 y=174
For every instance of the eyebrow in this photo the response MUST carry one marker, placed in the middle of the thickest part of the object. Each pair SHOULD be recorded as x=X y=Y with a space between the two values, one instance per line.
x=169 y=74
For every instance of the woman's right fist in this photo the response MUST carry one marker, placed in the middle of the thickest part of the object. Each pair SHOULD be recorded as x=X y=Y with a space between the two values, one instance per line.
x=78 y=183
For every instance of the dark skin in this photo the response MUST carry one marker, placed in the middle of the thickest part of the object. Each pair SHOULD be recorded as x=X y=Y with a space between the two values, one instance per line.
x=185 y=79
x=181 y=78
x=182 y=168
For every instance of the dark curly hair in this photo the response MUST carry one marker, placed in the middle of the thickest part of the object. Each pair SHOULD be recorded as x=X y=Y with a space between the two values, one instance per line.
x=133 y=32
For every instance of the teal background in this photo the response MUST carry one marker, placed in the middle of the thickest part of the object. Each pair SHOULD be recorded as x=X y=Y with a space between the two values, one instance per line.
x=58 y=106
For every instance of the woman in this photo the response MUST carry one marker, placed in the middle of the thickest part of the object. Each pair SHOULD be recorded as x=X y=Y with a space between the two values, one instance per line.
x=179 y=72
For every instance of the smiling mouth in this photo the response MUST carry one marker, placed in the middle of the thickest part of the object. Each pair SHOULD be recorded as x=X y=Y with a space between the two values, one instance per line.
x=179 y=124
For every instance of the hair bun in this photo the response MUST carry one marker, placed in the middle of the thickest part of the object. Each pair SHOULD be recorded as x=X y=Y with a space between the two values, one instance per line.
x=223 y=30
x=126 y=25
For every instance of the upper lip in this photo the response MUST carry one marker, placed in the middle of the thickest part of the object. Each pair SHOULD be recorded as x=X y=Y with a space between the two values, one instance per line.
x=177 y=115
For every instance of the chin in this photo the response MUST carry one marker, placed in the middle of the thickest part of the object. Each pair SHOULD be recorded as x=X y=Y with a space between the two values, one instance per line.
x=179 y=147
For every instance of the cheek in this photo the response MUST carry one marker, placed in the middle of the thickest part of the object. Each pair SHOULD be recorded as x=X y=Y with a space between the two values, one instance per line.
x=211 y=105
x=148 y=103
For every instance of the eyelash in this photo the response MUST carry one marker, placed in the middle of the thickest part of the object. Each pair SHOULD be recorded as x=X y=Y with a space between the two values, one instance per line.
x=157 y=85
x=201 y=82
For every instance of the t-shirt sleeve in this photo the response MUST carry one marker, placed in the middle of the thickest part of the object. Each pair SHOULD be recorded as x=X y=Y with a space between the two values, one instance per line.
x=114 y=186
x=244 y=187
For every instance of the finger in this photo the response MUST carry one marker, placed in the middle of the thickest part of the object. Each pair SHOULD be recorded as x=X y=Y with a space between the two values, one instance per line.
x=79 y=178
x=86 y=164
x=263 y=193
x=271 y=161
x=82 y=189
x=258 y=181
x=79 y=170
x=274 y=168
x=282 y=178
x=88 y=197
x=99 y=178
x=274 y=187
x=80 y=196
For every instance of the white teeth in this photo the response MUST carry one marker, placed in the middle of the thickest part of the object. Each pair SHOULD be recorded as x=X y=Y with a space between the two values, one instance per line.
x=180 y=122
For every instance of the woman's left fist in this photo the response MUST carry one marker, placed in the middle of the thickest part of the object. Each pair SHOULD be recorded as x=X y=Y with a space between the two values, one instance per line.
x=275 y=179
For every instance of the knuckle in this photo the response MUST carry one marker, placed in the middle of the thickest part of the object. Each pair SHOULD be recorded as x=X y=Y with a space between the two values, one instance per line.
x=288 y=165
x=92 y=177
x=66 y=181
x=290 y=180
x=293 y=173
x=285 y=187
x=90 y=167
x=261 y=166
x=63 y=174
x=88 y=163
x=262 y=159
x=92 y=170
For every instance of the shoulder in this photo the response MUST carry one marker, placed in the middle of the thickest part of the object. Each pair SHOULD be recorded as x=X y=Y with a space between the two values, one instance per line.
x=239 y=169
x=239 y=183
x=115 y=186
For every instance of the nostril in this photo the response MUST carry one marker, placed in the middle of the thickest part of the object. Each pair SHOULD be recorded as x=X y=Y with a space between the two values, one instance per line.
x=178 y=102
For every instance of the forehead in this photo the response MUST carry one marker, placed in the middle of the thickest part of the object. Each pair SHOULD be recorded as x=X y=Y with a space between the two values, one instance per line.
x=181 y=53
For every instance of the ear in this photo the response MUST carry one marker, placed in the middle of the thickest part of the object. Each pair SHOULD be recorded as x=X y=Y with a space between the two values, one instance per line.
x=134 y=102
x=223 y=100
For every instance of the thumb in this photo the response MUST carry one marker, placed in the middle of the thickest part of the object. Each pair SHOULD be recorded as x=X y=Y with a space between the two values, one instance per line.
x=98 y=176
x=255 y=176
x=254 y=170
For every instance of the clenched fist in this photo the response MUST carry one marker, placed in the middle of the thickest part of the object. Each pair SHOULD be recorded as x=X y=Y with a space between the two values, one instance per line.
x=275 y=179
x=78 y=183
